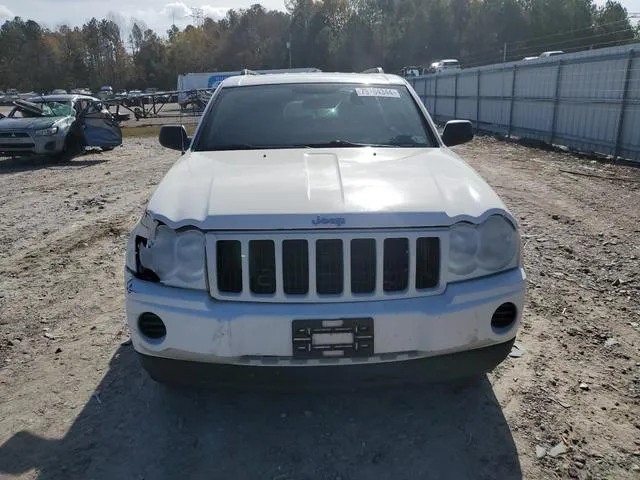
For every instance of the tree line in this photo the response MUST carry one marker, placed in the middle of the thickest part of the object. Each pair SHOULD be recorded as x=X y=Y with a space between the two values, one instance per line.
x=344 y=35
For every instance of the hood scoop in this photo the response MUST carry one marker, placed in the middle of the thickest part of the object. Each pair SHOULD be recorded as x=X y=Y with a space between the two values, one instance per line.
x=324 y=180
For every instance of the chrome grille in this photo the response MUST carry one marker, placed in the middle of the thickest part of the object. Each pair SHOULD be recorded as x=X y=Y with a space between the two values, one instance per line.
x=14 y=135
x=323 y=266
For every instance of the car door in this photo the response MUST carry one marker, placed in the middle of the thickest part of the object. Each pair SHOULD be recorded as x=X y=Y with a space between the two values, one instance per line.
x=99 y=127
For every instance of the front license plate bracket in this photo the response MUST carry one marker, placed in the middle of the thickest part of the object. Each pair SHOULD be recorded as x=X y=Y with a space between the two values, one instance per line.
x=335 y=338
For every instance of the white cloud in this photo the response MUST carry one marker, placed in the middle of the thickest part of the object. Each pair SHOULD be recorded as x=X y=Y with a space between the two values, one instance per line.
x=181 y=13
x=216 y=13
x=5 y=12
x=177 y=10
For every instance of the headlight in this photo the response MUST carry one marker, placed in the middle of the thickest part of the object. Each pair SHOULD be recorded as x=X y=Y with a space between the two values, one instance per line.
x=485 y=249
x=177 y=259
x=47 y=132
x=498 y=243
x=463 y=248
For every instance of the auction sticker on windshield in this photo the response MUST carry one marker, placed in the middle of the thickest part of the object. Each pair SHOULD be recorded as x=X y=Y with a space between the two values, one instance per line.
x=377 y=92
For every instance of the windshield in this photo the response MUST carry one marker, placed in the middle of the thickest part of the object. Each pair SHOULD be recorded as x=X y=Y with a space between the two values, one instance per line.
x=450 y=63
x=314 y=115
x=44 y=109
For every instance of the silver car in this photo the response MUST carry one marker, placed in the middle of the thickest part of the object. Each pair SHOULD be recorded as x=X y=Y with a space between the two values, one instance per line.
x=60 y=126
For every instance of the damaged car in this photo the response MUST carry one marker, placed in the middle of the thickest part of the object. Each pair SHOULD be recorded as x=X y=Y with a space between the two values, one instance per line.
x=60 y=126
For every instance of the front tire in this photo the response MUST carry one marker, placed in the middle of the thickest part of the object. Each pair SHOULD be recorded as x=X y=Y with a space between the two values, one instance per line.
x=72 y=147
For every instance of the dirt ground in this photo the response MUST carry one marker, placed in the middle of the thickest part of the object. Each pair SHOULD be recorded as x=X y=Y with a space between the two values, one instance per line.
x=74 y=403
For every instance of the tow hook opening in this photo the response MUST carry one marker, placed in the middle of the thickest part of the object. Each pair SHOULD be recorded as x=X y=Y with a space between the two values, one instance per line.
x=504 y=317
x=151 y=326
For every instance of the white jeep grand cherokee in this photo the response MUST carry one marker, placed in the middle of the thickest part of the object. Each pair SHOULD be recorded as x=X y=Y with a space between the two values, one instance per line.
x=317 y=230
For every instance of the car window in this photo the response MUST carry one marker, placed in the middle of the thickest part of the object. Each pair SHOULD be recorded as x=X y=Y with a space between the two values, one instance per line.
x=56 y=109
x=316 y=115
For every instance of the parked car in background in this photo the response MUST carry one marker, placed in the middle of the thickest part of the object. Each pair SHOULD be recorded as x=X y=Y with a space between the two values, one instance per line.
x=105 y=92
x=551 y=53
x=60 y=126
x=134 y=98
x=318 y=230
x=447 y=65
x=12 y=94
x=26 y=95
x=411 y=71
x=81 y=91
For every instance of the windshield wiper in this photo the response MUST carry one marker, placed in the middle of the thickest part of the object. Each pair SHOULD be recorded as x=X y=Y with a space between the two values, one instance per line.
x=340 y=144
x=238 y=146
x=248 y=146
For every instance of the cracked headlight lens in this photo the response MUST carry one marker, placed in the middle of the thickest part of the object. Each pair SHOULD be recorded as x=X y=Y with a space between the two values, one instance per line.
x=176 y=258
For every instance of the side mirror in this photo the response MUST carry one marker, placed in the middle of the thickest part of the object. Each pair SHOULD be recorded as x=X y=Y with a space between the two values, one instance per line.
x=457 y=132
x=174 y=137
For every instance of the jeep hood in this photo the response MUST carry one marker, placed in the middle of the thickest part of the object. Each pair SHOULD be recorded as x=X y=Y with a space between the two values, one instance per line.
x=327 y=188
x=35 y=123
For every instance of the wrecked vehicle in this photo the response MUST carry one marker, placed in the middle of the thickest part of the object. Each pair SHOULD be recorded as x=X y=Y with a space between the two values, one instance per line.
x=60 y=126
x=317 y=230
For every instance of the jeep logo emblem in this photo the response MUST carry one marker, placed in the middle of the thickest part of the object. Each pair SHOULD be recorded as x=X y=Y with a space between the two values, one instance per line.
x=335 y=221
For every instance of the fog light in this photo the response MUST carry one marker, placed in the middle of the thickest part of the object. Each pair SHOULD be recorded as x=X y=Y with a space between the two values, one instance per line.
x=151 y=326
x=504 y=316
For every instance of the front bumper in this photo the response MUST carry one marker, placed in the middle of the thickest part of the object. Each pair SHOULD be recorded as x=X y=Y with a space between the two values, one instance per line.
x=405 y=372
x=44 y=145
x=201 y=329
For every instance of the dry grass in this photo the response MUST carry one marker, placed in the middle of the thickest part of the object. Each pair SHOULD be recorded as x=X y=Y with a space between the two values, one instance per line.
x=146 y=131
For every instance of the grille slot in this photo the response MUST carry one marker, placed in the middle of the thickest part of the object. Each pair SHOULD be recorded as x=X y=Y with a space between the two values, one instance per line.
x=363 y=265
x=262 y=267
x=427 y=263
x=295 y=267
x=396 y=264
x=229 y=263
x=329 y=267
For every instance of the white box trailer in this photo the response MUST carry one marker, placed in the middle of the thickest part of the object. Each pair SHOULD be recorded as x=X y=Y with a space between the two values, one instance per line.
x=210 y=80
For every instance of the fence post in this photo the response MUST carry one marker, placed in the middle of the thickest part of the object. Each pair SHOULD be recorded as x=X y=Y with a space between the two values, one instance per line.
x=435 y=100
x=455 y=97
x=512 y=101
x=556 y=102
x=424 y=93
x=478 y=102
x=623 y=103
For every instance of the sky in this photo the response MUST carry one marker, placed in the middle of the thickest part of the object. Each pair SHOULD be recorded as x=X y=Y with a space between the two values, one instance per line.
x=157 y=14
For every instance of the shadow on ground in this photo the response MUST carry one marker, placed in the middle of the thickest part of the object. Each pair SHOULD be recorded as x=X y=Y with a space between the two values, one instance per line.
x=37 y=162
x=140 y=429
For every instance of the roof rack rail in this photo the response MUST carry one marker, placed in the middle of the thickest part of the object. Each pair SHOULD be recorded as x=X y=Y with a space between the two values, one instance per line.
x=248 y=72
x=374 y=70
